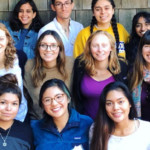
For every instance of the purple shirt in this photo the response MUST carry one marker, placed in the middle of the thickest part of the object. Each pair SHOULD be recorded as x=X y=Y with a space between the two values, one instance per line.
x=91 y=91
x=145 y=103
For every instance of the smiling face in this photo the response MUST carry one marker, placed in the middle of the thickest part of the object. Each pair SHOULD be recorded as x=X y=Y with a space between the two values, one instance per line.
x=117 y=106
x=63 y=11
x=26 y=15
x=55 y=109
x=146 y=54
x=103 y=12
x=3 y=42
x=9 y=106
x=100 y=48
x=49 y=55
x=142 y=26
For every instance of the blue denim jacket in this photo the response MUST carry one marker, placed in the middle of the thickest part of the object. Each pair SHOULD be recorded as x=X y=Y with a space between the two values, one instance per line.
x=29 y=42
x=74 y=135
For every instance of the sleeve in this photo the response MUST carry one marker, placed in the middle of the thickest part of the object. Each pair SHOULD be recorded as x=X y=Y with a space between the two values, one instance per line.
x=23 y=106
x=79 y=44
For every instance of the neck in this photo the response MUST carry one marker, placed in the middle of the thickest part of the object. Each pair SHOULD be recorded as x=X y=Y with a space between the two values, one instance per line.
x=102 y=26
x=61 y=121
x=49 y=65
x=6 y=124
x=148 y=66
x=125 y=128
x=103 y=65
x=2 y=60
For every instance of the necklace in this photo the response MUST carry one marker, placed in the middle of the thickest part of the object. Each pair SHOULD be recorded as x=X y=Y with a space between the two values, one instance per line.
x=4 y=140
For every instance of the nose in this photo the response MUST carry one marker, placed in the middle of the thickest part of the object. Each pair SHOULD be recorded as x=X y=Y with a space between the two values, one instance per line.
x=102 y=10
x=143 y=28
x=53 y=102
x=115 y=106
x=8 y=107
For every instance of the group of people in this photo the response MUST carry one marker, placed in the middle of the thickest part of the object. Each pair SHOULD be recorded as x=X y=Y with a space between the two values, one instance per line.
x=63 y=86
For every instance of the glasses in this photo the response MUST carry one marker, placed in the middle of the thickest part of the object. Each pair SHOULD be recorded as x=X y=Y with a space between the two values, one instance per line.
x=52 y=47
x=58 y=98
x=60 y=5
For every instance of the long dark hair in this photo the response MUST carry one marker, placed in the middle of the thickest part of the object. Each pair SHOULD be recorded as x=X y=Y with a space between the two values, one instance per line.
x=113 y=22
x=16 y=24
x=104 y=126
x=134 y=40
x=136 y=76
x=38 y=73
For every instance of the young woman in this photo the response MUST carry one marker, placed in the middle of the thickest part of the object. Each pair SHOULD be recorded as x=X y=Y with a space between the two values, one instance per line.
x=115 y=127
x=98 y=66
x=9 y=64
x=139 y=78
x=140 y=24
x=103 y=19
x=50 y=62
x=62 y=126
x=23 y=25
x=14 y=135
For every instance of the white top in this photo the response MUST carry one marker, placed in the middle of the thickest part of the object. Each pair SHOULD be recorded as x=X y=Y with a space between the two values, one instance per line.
x=17 y=71
x=74 y=29
x=139 y=140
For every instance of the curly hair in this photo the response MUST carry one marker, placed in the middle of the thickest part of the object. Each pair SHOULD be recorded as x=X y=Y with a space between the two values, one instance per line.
x=10 y=51
x=38 y=74
x=16 y=24
x=113 y=22
x=87 y=58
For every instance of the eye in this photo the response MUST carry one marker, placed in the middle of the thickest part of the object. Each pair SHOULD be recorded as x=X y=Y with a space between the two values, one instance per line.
x=2 y=102
x=53 y=46
x=1 y=39
x=108 y=103
x=29 y=11
x=121 y=102
x=147 y=24
x=15 y=104
x=138 y=25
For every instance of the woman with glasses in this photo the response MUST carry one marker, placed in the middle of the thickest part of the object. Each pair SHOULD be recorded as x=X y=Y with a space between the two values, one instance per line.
x=62 y=126
x=49 y=62
x=139 y=78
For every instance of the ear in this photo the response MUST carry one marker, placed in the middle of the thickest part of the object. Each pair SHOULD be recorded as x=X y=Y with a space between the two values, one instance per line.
x=34 y=15
x=72 y=5
x=53 y=7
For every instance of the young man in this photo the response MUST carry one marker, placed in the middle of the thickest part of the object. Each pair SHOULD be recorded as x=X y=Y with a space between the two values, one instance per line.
x=63 y=25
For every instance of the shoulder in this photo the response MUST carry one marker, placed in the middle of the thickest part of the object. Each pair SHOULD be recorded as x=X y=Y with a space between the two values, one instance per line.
x=29 y=64
x=69 y=60
x=83 y=119
x=76 y=24
x=145 y=124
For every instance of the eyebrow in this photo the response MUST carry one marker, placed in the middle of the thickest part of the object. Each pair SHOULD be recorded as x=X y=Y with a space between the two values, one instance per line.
x=116 y=99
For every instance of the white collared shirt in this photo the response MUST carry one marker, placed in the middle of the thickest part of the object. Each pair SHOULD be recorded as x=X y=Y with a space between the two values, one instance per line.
x=74 y=29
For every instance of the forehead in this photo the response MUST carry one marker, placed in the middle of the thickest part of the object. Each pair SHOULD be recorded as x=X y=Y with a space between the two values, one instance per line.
x=100 y=38
x=2 y=32
x=10 y=97
x=26 y=6
x=61 y=1
x=52 y=91
x=49 y=38
x=102 y=3
x=115 y=95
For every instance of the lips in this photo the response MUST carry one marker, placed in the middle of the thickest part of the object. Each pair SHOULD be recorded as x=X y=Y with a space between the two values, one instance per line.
x=56 y=109
x=117 y=115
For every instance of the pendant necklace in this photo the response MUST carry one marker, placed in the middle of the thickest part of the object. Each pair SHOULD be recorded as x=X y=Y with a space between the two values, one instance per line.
x=4 y=140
